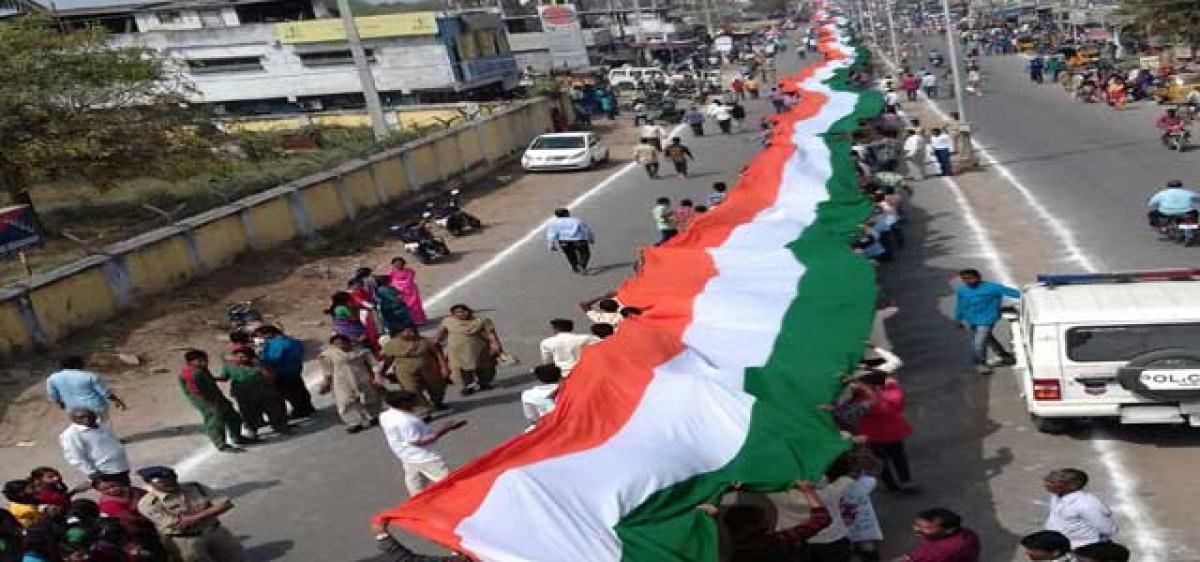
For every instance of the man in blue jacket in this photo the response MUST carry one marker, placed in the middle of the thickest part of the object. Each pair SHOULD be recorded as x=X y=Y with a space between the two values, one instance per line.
x=977 y=308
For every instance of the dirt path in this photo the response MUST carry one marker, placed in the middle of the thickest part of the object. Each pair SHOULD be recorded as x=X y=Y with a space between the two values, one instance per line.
x=296 y=280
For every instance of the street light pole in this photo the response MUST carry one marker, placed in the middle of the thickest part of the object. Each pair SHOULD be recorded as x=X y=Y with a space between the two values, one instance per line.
x=366 y=79
x=888 y=6
x=952 y=48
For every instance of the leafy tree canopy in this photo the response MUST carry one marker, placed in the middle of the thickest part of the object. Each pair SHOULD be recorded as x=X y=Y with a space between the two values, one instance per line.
x=73 y=106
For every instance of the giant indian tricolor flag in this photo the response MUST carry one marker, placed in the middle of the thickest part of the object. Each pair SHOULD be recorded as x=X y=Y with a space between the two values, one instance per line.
x=751 y=317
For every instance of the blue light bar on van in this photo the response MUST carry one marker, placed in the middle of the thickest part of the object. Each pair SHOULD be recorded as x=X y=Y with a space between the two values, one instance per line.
x=1119 y=277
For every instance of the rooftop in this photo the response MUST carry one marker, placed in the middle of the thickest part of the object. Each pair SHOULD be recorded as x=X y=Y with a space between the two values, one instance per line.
x=1115 y=303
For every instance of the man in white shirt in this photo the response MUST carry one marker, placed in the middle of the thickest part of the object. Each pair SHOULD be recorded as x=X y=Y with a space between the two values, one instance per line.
x=564 y=347
x=92 y=448
x=929 y=83
x=723 y=115
x=914 y=154
x=652 y=134
x=941 y=143
x=1077 y=514
x=891 y=99
x=410 y=439
x=539 y=400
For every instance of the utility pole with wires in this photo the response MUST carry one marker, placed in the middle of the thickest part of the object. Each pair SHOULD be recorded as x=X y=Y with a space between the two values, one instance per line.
x=366 y=79
x=888 y=6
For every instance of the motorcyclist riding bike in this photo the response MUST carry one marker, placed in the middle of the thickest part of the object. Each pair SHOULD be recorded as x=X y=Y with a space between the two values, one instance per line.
x=1174 y=202
x=1170 y=123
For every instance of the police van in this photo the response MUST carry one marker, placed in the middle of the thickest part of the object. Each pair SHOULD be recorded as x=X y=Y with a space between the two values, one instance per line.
x=1112 y=345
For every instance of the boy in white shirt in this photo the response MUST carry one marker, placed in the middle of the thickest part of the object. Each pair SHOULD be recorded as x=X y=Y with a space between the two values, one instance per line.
x=539 y=400
x=410 y=440
x=564 y=347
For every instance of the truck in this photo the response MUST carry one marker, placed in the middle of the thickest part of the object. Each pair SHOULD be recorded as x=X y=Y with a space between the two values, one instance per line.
x=1123 y=346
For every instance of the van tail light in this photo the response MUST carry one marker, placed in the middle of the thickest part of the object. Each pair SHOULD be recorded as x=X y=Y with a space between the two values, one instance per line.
x=1047 y=389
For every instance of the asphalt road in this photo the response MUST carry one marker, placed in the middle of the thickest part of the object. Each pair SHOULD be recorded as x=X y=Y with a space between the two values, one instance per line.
x=1090 y=169
x=309 y=497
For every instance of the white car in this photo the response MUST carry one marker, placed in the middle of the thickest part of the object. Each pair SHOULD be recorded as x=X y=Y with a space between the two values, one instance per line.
x=1124 y=346
x=564 y=151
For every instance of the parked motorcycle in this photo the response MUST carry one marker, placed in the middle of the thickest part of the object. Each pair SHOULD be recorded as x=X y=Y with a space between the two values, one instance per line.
x=242 y=315
x=419 y=242
x=451 y=217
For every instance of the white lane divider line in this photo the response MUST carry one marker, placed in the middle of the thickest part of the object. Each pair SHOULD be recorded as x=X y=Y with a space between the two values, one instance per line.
x=1141 y=524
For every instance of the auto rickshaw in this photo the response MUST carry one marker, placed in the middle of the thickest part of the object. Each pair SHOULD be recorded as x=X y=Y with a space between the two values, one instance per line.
x=1081 y=57
x=1026 y=44
x=1176 y=88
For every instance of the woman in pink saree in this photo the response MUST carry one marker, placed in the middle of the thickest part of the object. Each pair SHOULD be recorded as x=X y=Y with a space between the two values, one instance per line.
x=404 y=280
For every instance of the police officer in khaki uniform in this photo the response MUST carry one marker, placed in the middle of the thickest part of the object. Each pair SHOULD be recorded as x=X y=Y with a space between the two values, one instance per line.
x=186 y=517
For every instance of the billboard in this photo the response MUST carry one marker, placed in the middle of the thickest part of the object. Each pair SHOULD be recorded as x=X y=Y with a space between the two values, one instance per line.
x=370 y=27
x=18 y=229
x=564 y=36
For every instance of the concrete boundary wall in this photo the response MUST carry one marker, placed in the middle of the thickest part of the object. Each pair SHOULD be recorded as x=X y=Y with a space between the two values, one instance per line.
x=46 y=308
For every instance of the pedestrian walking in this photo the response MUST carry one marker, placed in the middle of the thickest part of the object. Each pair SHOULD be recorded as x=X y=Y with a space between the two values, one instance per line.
x=255 y=393
x=914 y=155
x=738 y=112
x=695 y=119
x=723 y=115
x=752 y=87
x=419 y=366
x=404 y=280
x=663 y=219
x=639 y=112
x=891 y=100
x=221 y=422
x=679 y=155
x=187 y=516
x=911 y=85
x=564 y=348
x=573 y=236
x=411 y=440
x=652 y=133
x=73 y=386
x=942 y=538
x=646 y=155
x=929 y=83
x=348 y=375
x=472 y=348
x=738 y=87
x=941 y=143
x=974 y=79
x=1076 y=513
x=887 y=152
x=977 y=308
x=282 y=357
x=92 y=448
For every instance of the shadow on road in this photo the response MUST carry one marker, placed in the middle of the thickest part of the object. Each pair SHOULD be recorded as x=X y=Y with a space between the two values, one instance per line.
x=947 y=402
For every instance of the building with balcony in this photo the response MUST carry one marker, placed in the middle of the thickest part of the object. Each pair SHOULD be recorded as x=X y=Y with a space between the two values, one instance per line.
x=268 y=56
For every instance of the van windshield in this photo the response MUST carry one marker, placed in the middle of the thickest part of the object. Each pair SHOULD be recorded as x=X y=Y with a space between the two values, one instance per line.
x=1122 y=343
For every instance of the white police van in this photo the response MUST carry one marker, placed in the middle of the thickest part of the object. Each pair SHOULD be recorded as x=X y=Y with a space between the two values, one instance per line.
x=1112 y=345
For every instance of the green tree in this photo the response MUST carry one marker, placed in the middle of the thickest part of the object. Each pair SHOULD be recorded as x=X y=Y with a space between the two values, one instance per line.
x=74 y=107
x=1175 y=20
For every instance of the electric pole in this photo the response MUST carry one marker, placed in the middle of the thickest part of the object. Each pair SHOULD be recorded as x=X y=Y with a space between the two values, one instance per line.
x=952 y=47
x=366 y=79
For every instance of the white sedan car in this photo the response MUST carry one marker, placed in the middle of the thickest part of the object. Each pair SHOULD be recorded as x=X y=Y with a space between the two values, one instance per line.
x=564 y=151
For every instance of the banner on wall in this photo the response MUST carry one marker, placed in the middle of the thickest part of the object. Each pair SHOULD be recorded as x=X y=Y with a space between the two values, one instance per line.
x=564 y=36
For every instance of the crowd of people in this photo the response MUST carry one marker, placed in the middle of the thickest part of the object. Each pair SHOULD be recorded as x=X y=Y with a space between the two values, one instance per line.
x=383 y=371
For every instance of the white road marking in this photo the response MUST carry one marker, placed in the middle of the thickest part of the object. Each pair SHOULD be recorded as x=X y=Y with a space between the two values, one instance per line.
x=1143 y=528
x=202 y=455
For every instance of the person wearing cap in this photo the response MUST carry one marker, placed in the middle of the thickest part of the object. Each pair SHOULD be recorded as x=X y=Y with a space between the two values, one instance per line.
x=186 y=515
